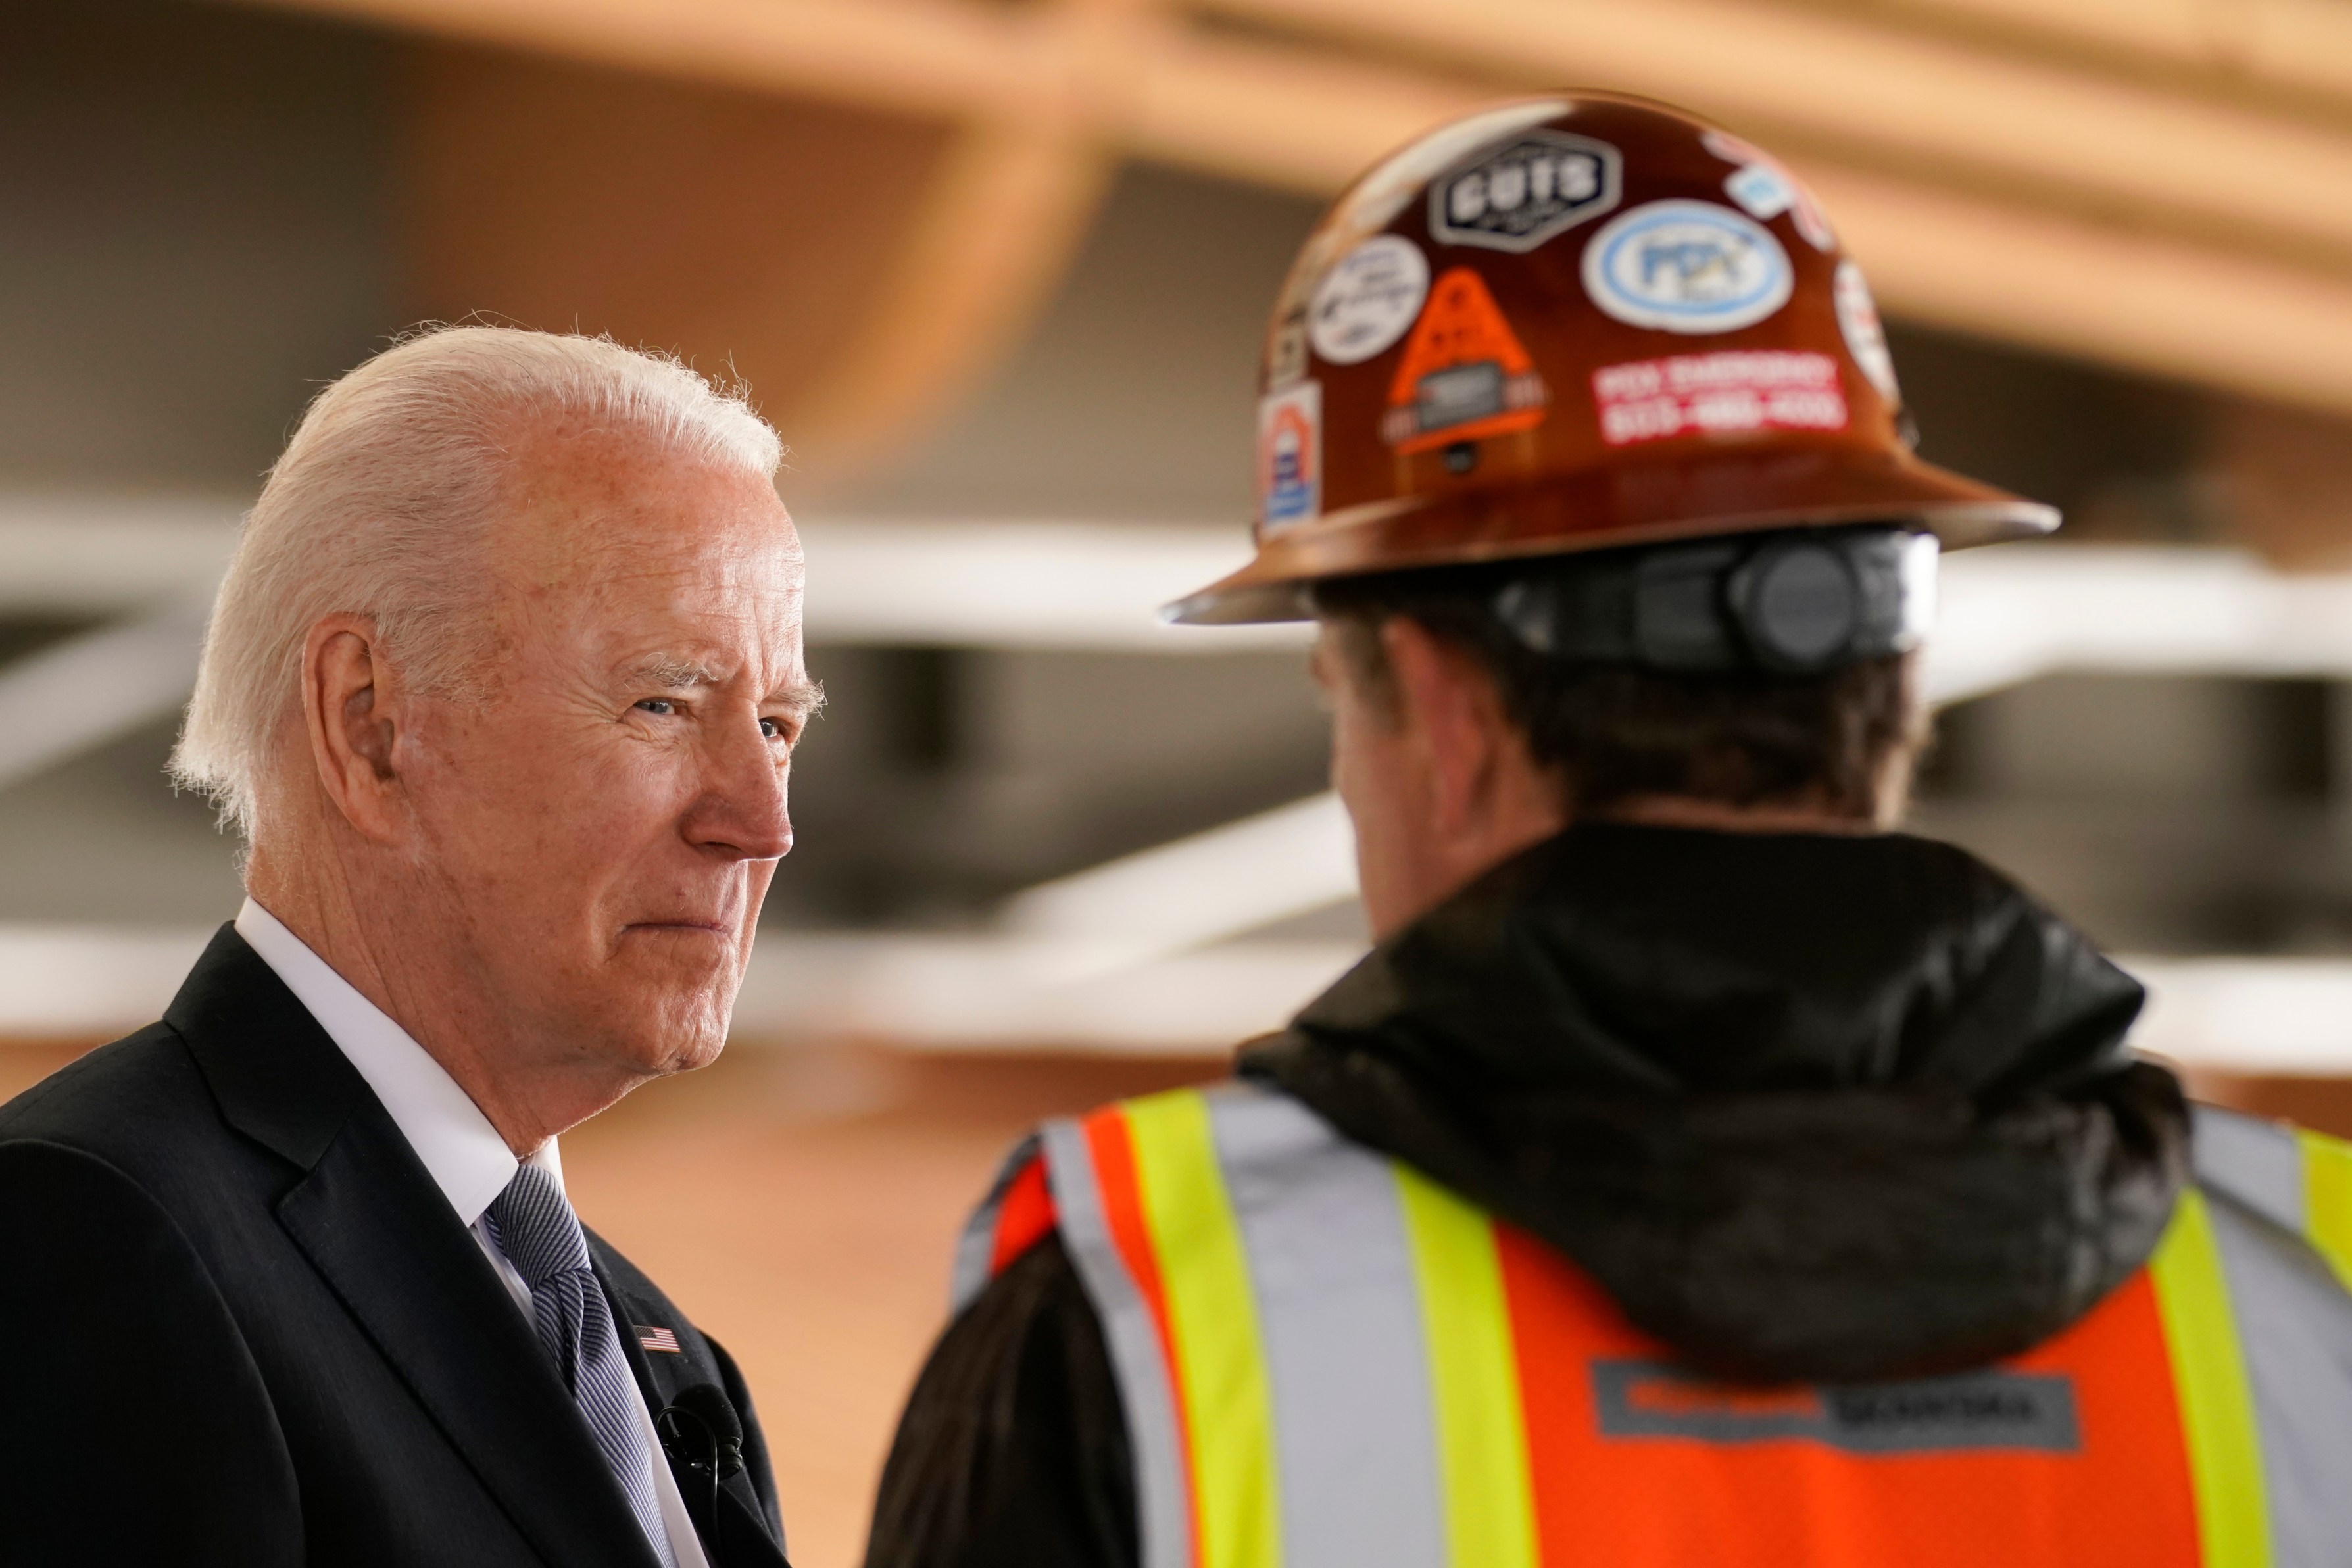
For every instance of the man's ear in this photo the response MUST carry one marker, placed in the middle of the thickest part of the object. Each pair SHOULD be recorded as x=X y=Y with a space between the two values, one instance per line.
x=351 y=709
x=1448 y=710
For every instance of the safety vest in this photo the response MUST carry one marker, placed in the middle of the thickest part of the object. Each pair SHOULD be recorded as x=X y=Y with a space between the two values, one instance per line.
x=1326 y=1360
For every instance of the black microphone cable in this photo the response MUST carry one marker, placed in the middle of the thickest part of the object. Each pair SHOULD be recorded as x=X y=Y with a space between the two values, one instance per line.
x=701 y=1431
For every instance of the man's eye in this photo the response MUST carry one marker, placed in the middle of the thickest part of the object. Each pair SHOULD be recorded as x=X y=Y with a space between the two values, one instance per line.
x=772 y=729
x=658 y=705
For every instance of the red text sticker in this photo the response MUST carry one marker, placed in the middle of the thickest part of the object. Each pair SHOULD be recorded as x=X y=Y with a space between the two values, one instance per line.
x=1737 y=390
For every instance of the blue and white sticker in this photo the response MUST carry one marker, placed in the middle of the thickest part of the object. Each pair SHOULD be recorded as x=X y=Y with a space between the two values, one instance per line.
x=1687 y=266
x=1765 y=190
x=1761 y=191
x=1368 y=299
x=1290 y=456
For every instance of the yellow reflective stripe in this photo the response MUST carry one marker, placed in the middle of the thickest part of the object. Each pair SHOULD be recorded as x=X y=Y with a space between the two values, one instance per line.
x=2209 y=1374
x=1212 y=1318
x=1474 y=1377
x=2327 y=1200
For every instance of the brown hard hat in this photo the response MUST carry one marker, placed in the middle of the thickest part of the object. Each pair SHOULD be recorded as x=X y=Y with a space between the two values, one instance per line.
x=1570 y=323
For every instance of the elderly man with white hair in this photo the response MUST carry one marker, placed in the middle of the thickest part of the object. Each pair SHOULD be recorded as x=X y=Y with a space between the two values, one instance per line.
x=502 y=689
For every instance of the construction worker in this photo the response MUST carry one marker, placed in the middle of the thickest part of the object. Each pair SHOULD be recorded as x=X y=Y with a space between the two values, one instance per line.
x=1697 y=1172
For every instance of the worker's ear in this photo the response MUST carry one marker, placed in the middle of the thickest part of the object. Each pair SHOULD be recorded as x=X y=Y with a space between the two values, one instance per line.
x=1453 y=718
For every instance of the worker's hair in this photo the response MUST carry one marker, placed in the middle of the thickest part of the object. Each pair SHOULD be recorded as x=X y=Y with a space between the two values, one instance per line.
x=1840 y=742
x=379 y=507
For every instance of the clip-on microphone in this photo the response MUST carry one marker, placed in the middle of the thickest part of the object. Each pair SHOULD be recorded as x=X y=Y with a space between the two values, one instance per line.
x=701 y=1433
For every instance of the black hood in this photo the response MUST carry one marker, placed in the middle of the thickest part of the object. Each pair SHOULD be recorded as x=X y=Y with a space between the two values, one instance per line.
x=1807 y=1105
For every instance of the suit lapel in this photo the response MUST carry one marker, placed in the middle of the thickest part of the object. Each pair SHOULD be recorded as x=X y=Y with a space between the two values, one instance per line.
x=366 y=1212
x=740 y=1536
x=659 y=1383
x=429 y=1299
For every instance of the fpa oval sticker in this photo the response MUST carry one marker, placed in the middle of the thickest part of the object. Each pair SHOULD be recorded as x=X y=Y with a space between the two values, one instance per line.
x=1687 y=266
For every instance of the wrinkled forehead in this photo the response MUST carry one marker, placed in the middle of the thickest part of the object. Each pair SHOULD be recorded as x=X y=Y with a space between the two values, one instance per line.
x=589 y=505
x=619 y=528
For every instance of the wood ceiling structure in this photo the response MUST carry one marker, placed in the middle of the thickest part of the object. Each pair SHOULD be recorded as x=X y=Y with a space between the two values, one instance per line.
x=2164 y=185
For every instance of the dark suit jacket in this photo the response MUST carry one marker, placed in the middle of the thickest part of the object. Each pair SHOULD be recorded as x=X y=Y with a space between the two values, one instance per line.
x=242 y=1326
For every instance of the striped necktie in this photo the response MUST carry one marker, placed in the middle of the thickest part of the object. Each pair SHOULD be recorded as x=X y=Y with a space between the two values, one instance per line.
x=533 y=1224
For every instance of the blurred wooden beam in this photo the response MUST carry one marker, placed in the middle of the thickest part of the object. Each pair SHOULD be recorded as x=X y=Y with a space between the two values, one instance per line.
x=1286 y=116
x=2288 y=478
x=2261 y=43
x=860 y=268
x=2199 y=240
x=2097 y=292
x=2122 y=147
x=997 y=225
x=739 y=229
x=999 y=221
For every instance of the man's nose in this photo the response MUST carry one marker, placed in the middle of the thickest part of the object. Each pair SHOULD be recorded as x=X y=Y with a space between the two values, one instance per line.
x=744 y=811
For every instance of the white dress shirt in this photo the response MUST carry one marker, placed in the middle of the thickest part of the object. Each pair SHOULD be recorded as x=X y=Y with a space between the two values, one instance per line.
x=463 y=1152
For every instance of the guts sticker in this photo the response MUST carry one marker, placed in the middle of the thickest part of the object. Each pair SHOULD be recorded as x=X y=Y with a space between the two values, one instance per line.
x=1519 y=194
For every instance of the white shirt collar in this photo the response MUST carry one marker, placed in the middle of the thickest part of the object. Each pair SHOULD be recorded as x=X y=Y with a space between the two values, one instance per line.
x=467 y=1158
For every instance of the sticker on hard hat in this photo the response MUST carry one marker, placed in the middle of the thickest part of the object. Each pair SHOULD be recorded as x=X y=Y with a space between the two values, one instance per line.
x=1367 y=300
x=1515 y=196
x=1465 y=375
x=1761 y=191
x=1765 y=190
x=1737 y=390
x=1865 y=335
x=1397 y=182
x=1687 y=266
x=1290 y=456
x=1286 y=353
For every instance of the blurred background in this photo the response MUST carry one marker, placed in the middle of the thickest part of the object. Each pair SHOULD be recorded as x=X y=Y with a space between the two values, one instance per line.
x=998 y=270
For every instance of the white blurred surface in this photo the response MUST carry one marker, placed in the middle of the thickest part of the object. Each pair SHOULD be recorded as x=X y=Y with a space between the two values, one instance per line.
x=60 y=982
x=2011 y=615
x=1008 y=992
x=96 y=556
x=1136 y=954
x=85 y=690
x=2008 y=613
x=1288 y=861
x=1001 y=584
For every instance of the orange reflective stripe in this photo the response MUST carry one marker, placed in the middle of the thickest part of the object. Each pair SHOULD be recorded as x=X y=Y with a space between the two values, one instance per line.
x=1112 y=1145
x=1025 y=1214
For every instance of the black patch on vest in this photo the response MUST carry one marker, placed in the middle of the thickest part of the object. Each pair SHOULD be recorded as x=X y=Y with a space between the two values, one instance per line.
x=1976 y=1410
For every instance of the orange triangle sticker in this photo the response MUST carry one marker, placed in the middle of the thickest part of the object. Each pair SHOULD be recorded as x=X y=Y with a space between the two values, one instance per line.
x=1465 y=375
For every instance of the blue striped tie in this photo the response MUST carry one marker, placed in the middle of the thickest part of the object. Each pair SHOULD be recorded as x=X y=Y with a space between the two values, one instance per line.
x=535 y=1227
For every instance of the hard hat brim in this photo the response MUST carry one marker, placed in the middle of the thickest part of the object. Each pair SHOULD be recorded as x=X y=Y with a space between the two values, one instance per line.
x=1608 y=510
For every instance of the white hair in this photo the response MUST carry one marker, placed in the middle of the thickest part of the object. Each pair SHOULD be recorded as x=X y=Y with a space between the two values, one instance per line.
x=379 y=505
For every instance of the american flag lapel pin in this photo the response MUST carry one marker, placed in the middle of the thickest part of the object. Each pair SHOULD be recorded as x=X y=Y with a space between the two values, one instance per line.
x=653 y=1338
